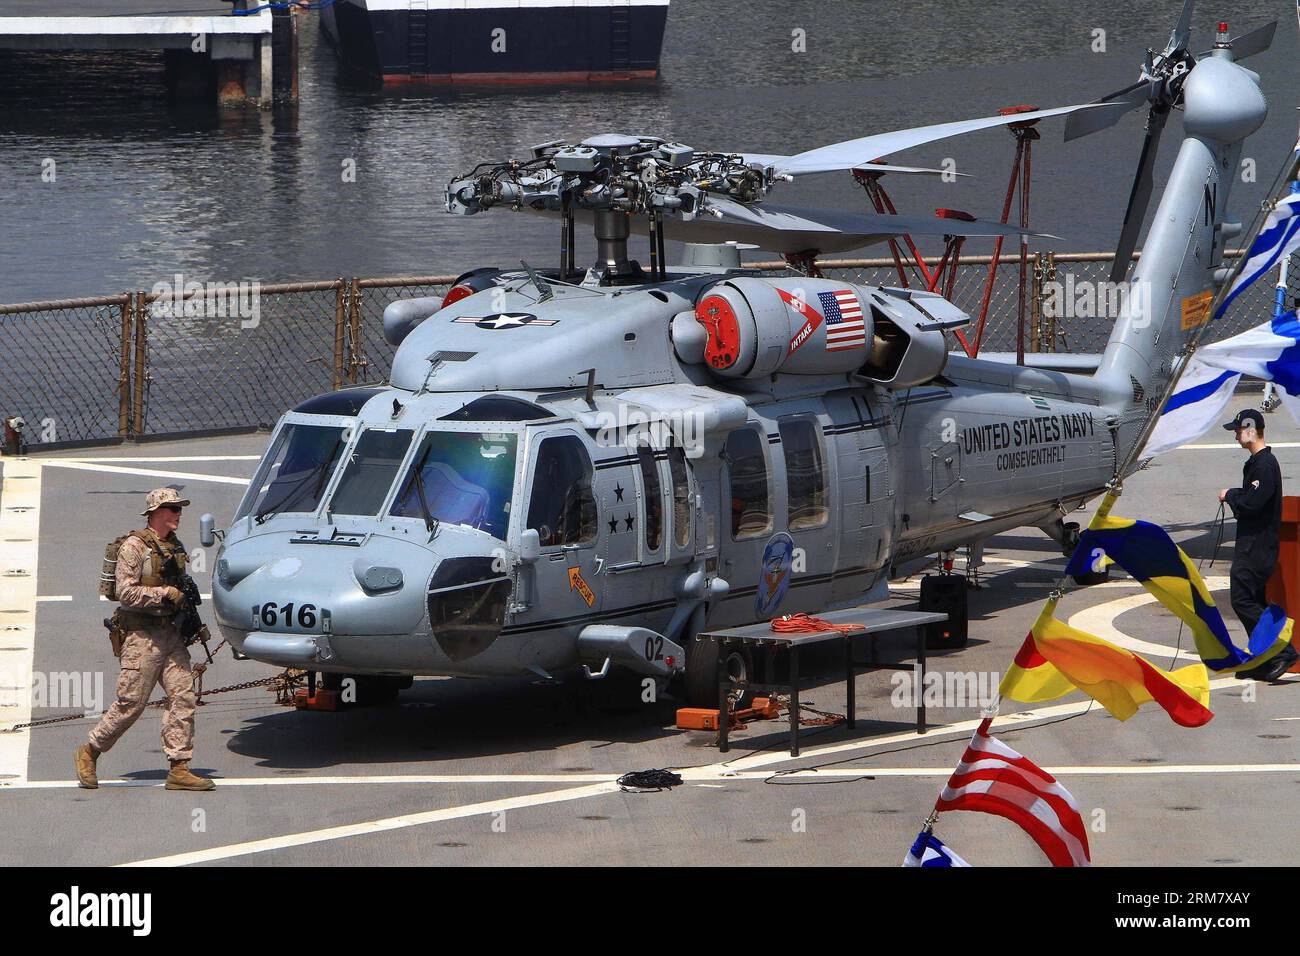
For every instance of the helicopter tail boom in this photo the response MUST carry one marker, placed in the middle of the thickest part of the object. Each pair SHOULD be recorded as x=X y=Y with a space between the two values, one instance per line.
x=1167 y=301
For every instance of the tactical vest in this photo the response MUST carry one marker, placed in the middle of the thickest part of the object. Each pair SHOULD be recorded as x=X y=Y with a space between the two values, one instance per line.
x=152 y=576
x=160 y=551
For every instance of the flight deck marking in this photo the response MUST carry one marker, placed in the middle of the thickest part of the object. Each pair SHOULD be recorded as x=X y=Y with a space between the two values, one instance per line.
x=376 y=826
x=112 y=460
x=737 y=768
x=727 y=770
x=114 y=470
x=697 y=777
x=20 y=522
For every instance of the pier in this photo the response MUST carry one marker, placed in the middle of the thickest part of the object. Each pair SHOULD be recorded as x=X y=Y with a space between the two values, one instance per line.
x=209 y=50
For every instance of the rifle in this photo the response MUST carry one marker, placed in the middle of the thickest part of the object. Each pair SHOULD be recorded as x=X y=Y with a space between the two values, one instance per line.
x=192 y=628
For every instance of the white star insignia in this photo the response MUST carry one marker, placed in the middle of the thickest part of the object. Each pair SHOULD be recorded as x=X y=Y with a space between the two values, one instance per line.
x=505 y=320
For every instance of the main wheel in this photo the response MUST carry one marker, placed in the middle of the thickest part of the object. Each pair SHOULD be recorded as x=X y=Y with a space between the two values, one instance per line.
x=702 y=672
x=367 y=689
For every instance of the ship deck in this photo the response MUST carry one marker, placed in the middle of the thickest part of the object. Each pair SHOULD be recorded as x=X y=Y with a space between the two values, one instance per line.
x=521 y=772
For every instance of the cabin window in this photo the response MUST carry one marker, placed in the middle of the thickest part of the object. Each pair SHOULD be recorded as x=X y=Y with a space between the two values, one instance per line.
x=652 y=496
x=681 y=497
x=563 y=507
x=370 y=471
x=750 y=514
x=804 y=477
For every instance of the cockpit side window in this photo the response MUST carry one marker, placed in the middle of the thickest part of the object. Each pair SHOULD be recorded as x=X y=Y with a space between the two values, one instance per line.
x=370 y=471
x=562 y=508
x=653 y=497
x=296 y=469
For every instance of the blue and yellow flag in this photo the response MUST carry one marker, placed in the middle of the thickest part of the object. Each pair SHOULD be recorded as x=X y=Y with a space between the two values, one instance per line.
x=1146 y=551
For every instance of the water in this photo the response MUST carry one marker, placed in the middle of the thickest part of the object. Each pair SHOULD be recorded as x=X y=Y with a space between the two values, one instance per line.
x=146 y=189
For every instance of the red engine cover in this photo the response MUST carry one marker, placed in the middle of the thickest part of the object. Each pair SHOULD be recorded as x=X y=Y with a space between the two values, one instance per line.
x=723 y=348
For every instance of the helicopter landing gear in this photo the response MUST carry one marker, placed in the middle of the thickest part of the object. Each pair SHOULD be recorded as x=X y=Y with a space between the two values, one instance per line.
x=702 y=672
x=365 y=690
x=1072 y=542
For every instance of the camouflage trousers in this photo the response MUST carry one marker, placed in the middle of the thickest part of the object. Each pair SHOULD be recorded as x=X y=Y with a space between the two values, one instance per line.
x=149 y=656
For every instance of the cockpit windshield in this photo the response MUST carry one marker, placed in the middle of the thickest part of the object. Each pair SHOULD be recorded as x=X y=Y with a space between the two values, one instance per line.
x=462 y=478
x=370 y=471
x=296 y=470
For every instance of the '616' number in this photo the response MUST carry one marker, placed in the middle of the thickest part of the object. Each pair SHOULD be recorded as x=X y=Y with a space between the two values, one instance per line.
x=272 y=615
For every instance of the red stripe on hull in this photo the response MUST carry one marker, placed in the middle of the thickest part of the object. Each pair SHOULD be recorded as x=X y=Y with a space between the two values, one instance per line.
x=500 y=79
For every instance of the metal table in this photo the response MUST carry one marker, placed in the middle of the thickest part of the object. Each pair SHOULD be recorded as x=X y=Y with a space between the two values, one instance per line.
x=869 y=621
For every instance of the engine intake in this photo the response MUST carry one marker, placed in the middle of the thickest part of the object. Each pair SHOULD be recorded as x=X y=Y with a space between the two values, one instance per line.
x=755 y=327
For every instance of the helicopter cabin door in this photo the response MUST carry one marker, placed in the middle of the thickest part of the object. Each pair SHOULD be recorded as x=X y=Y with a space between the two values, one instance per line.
x=561 y=508
x=807 y=479
x=866 y=492
x=747 y=531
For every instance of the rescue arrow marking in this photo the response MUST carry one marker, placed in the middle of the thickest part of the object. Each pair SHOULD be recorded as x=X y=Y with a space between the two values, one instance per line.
x=576 y=583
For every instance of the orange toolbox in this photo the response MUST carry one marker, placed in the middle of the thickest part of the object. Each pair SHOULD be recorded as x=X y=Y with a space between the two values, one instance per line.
x=706 y=718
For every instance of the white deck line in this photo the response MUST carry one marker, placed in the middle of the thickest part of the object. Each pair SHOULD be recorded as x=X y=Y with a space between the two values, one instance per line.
x=258 y=23
x=20 y=519
x=153 y=473
x=691 y=777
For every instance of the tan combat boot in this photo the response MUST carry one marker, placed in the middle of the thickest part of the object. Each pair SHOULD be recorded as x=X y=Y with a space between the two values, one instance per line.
x=181 y=778
x=85 y=761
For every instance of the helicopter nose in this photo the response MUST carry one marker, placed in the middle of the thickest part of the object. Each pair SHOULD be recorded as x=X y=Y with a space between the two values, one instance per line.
x=312 y=604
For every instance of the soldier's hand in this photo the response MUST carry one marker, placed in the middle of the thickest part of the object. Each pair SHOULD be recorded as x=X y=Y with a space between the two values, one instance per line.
x=173 y=595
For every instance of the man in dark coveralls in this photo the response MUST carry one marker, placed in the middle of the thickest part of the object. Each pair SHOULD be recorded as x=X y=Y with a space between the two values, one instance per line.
x=1257 y=506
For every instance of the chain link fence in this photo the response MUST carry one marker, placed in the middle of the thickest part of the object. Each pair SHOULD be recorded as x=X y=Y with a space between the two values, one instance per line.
x=231 y=356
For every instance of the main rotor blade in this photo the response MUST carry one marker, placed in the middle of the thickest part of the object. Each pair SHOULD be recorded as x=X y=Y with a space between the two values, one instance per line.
x=1139 y=197
x=861 y=151
x=1120 y=102
x=1182 y=34
x=778 y=161
x=789 y=229
x=801 y=219
x=1248 y=44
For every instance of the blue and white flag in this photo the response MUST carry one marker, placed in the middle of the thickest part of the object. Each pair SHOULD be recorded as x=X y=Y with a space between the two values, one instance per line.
x=1203 y=393
x=928 y=850
x=1279 y=237
x=1270 y=351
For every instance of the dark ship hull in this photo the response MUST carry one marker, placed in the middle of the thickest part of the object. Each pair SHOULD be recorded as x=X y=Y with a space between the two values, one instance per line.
x=499 y=41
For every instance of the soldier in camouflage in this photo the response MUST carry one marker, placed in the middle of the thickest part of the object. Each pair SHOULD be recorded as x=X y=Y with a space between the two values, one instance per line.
x=149 y=565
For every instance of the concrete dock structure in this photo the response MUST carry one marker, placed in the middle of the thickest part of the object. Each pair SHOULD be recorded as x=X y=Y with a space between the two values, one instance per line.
x=206 y=45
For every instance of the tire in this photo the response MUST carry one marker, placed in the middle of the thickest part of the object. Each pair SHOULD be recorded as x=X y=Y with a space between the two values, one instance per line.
x=370 y=690
x=702 y=672
x=1092 y=577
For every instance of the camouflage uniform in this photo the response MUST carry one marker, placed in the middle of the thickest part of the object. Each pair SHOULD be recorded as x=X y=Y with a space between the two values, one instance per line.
x=152 y=651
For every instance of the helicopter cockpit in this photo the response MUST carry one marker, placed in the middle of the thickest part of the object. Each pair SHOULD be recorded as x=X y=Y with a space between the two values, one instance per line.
x=458 y=477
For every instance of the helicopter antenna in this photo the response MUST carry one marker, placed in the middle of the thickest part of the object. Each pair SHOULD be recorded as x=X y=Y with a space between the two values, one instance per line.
x=543 y=290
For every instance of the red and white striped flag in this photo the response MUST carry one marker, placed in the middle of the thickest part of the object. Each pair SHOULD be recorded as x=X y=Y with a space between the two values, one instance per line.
x=993 y=778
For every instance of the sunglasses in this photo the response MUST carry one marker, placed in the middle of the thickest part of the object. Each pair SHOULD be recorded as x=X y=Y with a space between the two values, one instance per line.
x=174 y=509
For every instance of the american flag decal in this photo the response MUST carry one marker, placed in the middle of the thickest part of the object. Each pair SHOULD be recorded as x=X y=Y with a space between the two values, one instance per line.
x=845 y=326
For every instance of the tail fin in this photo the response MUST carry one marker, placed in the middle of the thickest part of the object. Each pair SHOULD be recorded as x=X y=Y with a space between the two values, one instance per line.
x=1172 y=287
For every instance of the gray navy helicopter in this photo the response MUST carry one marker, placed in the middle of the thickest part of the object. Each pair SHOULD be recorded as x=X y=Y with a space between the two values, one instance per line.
x=588 y=467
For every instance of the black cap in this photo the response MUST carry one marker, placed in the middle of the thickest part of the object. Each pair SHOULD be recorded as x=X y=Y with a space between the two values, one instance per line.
x=1247 y=416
